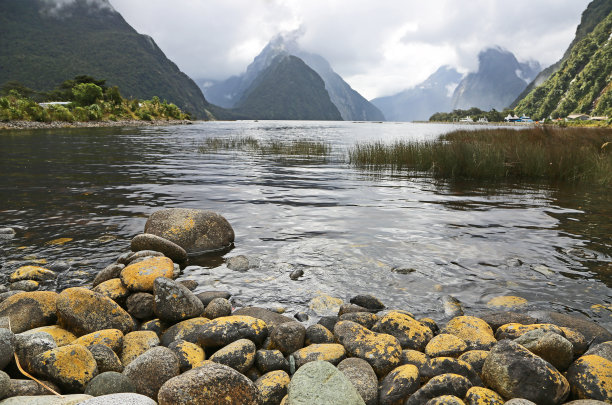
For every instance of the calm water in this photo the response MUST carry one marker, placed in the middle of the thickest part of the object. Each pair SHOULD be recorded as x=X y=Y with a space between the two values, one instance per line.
x=347 y=228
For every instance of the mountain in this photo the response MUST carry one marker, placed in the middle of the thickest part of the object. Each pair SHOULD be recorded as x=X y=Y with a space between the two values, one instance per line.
x=43 y=43
x=351 y=104
x=499 y=80
x=582 y=84
x=596 y=12
x=288 y=90
x=422 y=101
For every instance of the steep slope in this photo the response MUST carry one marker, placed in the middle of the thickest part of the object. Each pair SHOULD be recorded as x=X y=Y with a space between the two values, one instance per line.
x=423 y=100
x=288 y=90
x=42 y=44
x=499 y=80
x=583 y=83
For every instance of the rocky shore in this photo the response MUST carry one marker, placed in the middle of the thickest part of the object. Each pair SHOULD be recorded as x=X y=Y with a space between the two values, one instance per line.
x=88 y=124
x=140 y=334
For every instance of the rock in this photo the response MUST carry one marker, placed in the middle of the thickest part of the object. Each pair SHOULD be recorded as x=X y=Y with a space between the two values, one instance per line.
x=29 y=310
x=32 y=273
x=61 y=336
x=445 y=400
x=482 y=396
x=24 y=285
x=5 y=384
x=217 y=308
x=519 y=401
x=382 y=351
x=273 y=387
x=120 y=399
x=296 y=274
x=82 y=311
x=590 y=377
x=7 y=233
x=288 y=337
x=188 y=330
x=113 y=289
x=497 y=319
x=445 y=345
x=452 y=306
x=112 y=338
x=207 y=296
x=110 y=382
x=593 y=333
x=445 y=384
x=147 y=241
x=269 y=317
x=140 y=305
x=154 y=325
x=410 y=333
x=368 y=301
x=331 y=352
x=475 y=358
x=431 y=324
x=28 y=346
x=325 y=305
x=507 y=302
x=227 y=329
x=5 y=295
x=515 y=330
x=366 y=319
x=475 y=332
x=106 y=359
x=173 y=302
x=550 y=346
x=270 y=360
x=239 y=355
x=577 y=339
x=449 y=365
x=139 y=277
x=190 y=284
x=7 y=347
x=585 y=402
x=319 y=382
x=328 y=322
x=362 y=376
x=515 y=372
x=136 y=343
x=238 y=263
x=29 y=388
x=301 y=316
x=318 y=334
x=602 y=350
x=72 y=399
x=189 y=354
x=137 y=257
x=414 y=357
x=71 y=367
x=109 y=272
x=399 y=384
x=210 y=384
x=152 y=369
x=196 y=231
x=350 y=308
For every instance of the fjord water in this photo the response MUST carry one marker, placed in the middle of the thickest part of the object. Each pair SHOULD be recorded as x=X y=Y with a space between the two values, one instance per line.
x=79 y=195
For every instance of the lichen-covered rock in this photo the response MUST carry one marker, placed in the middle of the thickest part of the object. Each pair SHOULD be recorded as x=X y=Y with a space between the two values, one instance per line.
x=109 y=272
x=577 y=339
x=239 y=355
x=189 y=354
x=497 y=319
x=475 y=332
x=152 y=369
x=61 y=336
x=366 y=319
x=140 y=305
x=319 y=382
x=318 y=334
x=445 y=384
x=7 y=347
x=29 y=388
x=139 y=277
x=5 y=384
x=207 y=296
x=147 y=241
x=113 y=289
x=112 y=338
x=382 y=351
x=350 y=308
x=400 y=383
x=106 y=358
x=515 y=372
x=328 y=322
x=590 y=377
x=449 y=365
x=28 y=346
x=410 y=333
x=188 y=330
x=270 y=360
x=414 y=357
x=593 y=332
x=507 y=302
x=196 y=231
x=154 y=325
x=211 y=383
x=602 y=350
x=550 y=346
x=482 y=396
x=174 y=302
x=475 y=358
x=24 y=285
x=71 y=367
x=516 y=330
x=110 y=382
x=362 y=376
x=331 y=352
x=29 y=310
x=32 y=273
x=228 y=329
x=445 y=345
x=273 y=387
x=217 y=308
x=288 y=337
x=271 y=318
x=82 y=311
x=136 y=343
x=71 y=399
x=445 y=400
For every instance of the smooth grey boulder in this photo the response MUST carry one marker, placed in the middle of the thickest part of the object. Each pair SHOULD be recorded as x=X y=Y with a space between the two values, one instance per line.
x=109 y=382
x=173 y=302
x=5 y=384
x=120 y=399
x=109 y=272
x=72 y=399
x=152 y=369
x=362 y=376
x=7 y=347
x=30 y=345
x=550 y=346
x=147 y=241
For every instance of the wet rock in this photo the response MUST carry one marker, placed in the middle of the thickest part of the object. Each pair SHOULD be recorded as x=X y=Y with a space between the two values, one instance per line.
x=400 y=383
x=515 y=372
x=147 y=241
x=319 y=382
x=350 y=308
x=445 y=400
x=71 y=367
x=414 y=357
x=476 y=359
x=318 y=334
x=497 y=319
x=328 y=322
x=273 y=387
x=225 y=330
x=325 y=305
x=32 y=273
x=362 y=376
x=269 y=317
x=331 y=352
x=113 y=289
x=188 y=330
x=7 y=233
x=139 y=277
x=552 y=347
x=210 y=384
x=577 y=339
x=72 y=399
x=7 y=347
x=190 y=284
x=382 y=351
x=449 y=365
x=174 y=302
x=207 y=296
x=24 y=285
x=136 y=343
x=270 y=360
x=482 y=396
x=106 y=359
x=82 y=311
x=151 y=370
x=445 y=384
x=288 y=337
x=28 y=346
x=137 y=257
x=507 y=302
x=140 y=305
x=366 y=319
x=452 y=306
x=109 y=272
x=29 y=388
x=368 y=301
x=189 y=354
x=301 y=316
x=109 y=382
x=217 y=308
x=238 y=263
x=112 y=338
x=475 y=332
x=296 y=274
x=445 y=345
x=196 y=231
x=590 y=377
x=593 y=333
x=239 y=355
x=515 y=330
x=410 y=333
x=602 y=350
x=123 y=398
x=61 y=336
x=29 y=310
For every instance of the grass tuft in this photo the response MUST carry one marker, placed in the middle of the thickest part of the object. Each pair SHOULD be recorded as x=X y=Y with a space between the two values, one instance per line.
x=301 y=148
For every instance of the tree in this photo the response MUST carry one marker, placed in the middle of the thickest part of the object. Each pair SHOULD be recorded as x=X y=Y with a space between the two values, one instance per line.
x=86 y=93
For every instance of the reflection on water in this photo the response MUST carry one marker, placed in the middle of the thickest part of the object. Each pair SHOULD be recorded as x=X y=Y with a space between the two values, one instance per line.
x=346 y=228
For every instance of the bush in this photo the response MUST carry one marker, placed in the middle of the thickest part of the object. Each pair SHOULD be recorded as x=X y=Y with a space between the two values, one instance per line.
x=86 y=93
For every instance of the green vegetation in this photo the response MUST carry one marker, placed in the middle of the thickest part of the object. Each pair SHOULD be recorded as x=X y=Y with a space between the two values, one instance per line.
x=536 y=153
x=475 y=113
x=301 y=148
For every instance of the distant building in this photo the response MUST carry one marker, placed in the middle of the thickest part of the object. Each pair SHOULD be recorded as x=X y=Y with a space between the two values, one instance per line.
x=580 y=117
x=50 y=103
x=512 y=118
x=483 y=119
x=466 y=119
x=524 y=118
x=598 y=118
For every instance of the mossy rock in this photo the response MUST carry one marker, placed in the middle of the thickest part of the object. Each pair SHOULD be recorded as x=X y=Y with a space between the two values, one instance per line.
x=475 y=332
x=399 y=384
x=445 y=345
x=71 y=367
x=516 y=330
x=189 y=354
x=445 y=384
x=482 y=396
x=29 y=310
x=61 y=336
x=272 y=386
x=239 y=355
x=113 y=289
x=590 y=377
x=331 y=352
x=140 y=276
x=112 y=338
x=227 y=329
x=449 y=365
x=188 y=330
x=136 y=343
x=410 y=333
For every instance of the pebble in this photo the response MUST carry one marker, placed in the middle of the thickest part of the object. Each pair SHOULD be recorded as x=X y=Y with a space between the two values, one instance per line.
x=239 y=355
x=207 y=296
x=270 y=360
x=368 y=301
x=296 y=274
x=399 y=384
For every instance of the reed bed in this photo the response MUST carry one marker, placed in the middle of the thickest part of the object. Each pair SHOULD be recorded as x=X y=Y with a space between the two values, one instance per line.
x=301 y=148
x=536 y=153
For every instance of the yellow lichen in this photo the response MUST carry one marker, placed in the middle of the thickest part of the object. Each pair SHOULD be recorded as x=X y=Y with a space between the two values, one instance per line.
x=322 y=351
x=507 y=301
x=61 y=336
x=113 y=289
x=414 y=357
x=136 y=343
x=31 y=273
x=140 y=276
x=483 y=396
x=59 y=241
x=445 y=345
x=474 y=331
x=514 y=330
x=72 y=362
x=112 y=338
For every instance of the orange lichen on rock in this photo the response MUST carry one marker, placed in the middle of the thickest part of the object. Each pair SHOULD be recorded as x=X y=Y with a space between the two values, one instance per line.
x=140 y=276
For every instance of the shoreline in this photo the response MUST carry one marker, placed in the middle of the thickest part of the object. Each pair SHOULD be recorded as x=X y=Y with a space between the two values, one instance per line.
x=19 y=125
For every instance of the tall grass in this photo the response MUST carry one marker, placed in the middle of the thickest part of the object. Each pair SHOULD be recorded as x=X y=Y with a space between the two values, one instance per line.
x=301 y=148
x=536 y=153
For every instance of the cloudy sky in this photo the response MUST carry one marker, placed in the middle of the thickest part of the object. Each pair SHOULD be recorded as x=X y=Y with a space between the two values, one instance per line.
x=379 y=47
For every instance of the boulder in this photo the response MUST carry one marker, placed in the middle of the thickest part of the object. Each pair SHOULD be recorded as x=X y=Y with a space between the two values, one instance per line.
x=173 y=302
x=207 y=296
x=136 y=343
x=107 y=273
x=71 y=367
x=24 y=285
x=482 y=396
x=29 y=310
x=318 y=334
x=28 y=346
x=7 y=347
x=366 y=319
x=368 y=301
x=227 y=329
x=362 y=376
x=189 y=354
x=110 y=382
x=32 y=273
x=398 y=385
x=239 y=355
x=593 y=332
x=188 y=330
x=475 y=358
x=29 y=388
x=515 y=330
x=497 y=319
x=120 y=399
x=445 y=345
x=602 y=350
x=288 y=337
x=140 y=305
x=112 y=338
x=414 y=357
x=106 y=358
x=550 y=346
x=61 y=336
x=445 y=384
x=325 y=305
x=238 y=263
x=269 y=317
x=590 y=377
x=5 y=384
x=147 y=241
x=139 y=277
x=410 y=333
x=217 y=308
x=475 y=332
x=331 y=352
x=72 y=399
x=270 y=360
x=445 y=400
x=113 y=289
x=272 y=386
x=152 y=369
x=449 y=365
